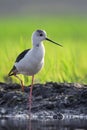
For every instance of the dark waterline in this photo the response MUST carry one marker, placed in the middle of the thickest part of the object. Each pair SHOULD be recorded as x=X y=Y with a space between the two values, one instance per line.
x=25 y=124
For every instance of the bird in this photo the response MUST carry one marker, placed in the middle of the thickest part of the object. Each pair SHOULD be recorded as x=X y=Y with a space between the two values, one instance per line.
x=30 y=61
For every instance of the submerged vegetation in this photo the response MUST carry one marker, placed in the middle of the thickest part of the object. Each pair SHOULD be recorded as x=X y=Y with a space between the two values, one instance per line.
x=67 y=64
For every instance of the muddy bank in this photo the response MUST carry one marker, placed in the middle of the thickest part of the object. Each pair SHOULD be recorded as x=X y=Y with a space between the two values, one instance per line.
x=49 y=100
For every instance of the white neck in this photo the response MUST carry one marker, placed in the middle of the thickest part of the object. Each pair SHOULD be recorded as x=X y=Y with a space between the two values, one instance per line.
x=37 y=43
x=38 y=50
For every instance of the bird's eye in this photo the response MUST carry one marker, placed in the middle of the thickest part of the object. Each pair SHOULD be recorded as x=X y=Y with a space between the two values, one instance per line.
x=41 y=34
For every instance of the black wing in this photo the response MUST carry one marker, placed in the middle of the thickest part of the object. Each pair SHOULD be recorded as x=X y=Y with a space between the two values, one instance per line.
x=21 y=55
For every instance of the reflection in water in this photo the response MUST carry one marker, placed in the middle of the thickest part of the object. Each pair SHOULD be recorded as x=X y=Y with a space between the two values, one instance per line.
x=25 y=124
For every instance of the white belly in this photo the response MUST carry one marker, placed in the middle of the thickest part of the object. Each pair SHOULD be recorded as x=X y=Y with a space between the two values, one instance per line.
x=30 y=68
x=32 y=62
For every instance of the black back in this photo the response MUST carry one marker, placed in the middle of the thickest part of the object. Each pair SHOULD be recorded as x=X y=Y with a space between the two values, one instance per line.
x=21 y=55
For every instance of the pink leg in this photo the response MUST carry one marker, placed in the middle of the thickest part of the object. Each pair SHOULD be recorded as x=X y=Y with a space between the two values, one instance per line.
x=22 y=86
x=30 y=96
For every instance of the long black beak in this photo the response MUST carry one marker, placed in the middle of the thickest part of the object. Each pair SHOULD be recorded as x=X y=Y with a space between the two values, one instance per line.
x=54 y=42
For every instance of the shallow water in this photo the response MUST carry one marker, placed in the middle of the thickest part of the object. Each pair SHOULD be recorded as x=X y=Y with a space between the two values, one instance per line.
x=26 y=124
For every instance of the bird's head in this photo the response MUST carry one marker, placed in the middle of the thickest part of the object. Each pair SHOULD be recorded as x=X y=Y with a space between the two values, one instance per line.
x=40 y=35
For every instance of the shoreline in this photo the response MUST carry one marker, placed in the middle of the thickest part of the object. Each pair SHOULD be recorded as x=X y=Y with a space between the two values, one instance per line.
x=50 y=100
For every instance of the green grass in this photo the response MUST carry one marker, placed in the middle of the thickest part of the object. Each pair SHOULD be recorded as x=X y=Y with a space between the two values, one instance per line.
x=67 y=64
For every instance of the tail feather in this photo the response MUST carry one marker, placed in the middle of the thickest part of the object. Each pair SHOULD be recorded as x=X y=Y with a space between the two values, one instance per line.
x=10 y=73
x=13 y=71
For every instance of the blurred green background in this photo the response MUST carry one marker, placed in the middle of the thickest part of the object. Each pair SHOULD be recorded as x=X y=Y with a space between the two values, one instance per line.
x=64 y=21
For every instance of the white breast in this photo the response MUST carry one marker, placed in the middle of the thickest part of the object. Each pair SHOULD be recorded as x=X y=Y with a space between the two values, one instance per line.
x=32 y=62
